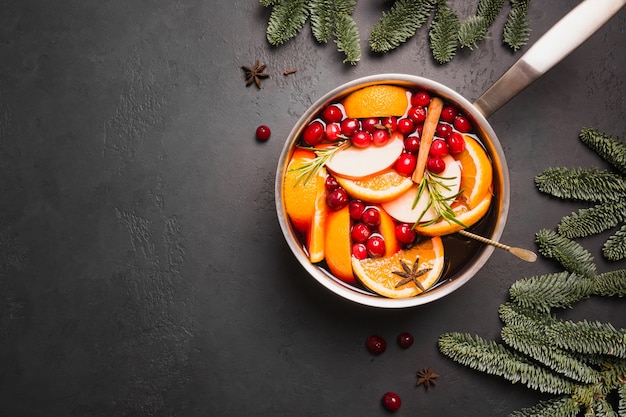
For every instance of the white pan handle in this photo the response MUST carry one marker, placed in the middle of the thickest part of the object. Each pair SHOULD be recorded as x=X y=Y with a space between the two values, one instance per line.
x=565 y=36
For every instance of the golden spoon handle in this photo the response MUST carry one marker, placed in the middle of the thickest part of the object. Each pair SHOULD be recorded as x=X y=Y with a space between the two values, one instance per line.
x=523 y=254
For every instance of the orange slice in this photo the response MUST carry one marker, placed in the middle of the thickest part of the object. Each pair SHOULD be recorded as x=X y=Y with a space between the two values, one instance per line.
x=463 y=214
x=338 y=247
x=477 y=173
x=317 y=231
x=300 y=196
x=377 y=273
x=387 y=228
x=376 y=101
x=378 y=188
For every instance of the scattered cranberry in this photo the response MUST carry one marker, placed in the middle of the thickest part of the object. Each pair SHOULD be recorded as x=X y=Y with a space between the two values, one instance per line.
x=369 y=124
x=391 y=401
x=456 y=143
x=436 y=165
x=462 y=124
x=405 y=340
x=333 y=130
x=375 y=246
x=390 y=122
x=371 y=217
x=380 y=137
x=313 y=133
x=443 y=130
x=375 y=344
x=405 y=234
x=405 y=126
x=405 y=164
x=412 y=144
x=332 y=114
x=356 y=209
x=421 y=98
x=360 y=232
x=331 y=183
x=361 y=139
x=438 y=148
x=448 y=113
x=359 y=251
x=417 y=114
x=263 y=133
x=337 y=199
x=349 y=126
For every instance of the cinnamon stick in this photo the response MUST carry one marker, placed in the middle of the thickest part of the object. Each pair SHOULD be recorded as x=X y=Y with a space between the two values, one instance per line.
x=430 y=125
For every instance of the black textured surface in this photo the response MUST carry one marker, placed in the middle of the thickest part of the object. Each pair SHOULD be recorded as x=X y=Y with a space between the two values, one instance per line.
x=142 y=268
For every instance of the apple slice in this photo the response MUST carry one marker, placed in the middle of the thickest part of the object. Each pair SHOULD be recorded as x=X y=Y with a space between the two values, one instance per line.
x=402 y=208
x=354 y=162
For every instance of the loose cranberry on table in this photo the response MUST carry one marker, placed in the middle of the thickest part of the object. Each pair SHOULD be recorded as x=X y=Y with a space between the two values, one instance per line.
x=391 y=401
x=263 y=133
x=375 y=344
x=405 y=340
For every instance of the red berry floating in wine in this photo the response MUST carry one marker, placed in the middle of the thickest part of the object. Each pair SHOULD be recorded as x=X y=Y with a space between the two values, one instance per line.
x=361 y=139
x=332 y=114
x=412 y=144
x=391 y=401
x=359 y=251
x=443 y=130
x=331 y=183
x=380 y=137
x=448 y=113
x=405 y=126
x=436 y=164
x=337 y=199
x=356 y=209
x=417 y=114
x=263 y=133
x=420 y=98
x=333 y=130
x=462 y=124
x=375 y=344
x=371 y=217
x=313 y=133
x=349 y=126
x=369 y=124
x=405 y=340
x=375 y=246
x=456 y=143
x=405 y=234
x=360 y=232
x=438 y=148
x=405 y=164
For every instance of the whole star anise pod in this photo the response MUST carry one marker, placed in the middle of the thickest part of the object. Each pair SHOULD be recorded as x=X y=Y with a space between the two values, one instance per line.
x=255 y=74
x=426 y=377
x=410 y=274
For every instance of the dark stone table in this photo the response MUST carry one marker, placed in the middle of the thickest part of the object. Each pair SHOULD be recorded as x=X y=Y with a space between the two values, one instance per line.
x=142 y=268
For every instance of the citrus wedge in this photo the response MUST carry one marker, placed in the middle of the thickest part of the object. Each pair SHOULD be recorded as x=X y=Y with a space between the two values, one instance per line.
x=378 y=188
x=300 y=195
x=477 y=173
x=317 y=230
x=376 y=101
x=378 y=275
x=356 y=163
x=338 y=247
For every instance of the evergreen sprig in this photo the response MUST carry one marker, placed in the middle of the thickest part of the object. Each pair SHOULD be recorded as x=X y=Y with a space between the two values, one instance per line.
x=594 y=220
x=399 y=24
x=609 y=148
x=476 y=28
x=610 y=284
x=588 y=337
x=556 y=407
x=583 y=184
x=347 y=38
x=443 y=33
x=517 y=27
x=614 y=248
x=570 y=254
x=286 y=21
x=557 y=290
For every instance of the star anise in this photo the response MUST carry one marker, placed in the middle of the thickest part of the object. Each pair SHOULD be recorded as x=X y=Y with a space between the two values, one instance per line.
x=426 y=377
x=411 y=274
x=255 y=74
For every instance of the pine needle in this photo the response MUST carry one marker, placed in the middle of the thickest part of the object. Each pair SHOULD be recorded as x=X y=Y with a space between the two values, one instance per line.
x=475 y=28
x=443 y=33
x=517 y=26
x=347 y=38
x=584 y=184
x=558 y=290
x=594 y=220
x=588 y=337
x=321 y=19
x=611 y=149
x=572 y=256
x=614 y=249
x=557 y=407
x=399 y=24
x=286 y=21
x=610 y=284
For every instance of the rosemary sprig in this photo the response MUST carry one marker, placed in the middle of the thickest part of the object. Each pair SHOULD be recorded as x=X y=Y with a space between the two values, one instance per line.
x=322 y=155
x=433 y=184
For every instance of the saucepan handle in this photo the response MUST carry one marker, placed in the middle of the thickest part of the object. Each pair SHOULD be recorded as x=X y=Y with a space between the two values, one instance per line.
x=565 y=36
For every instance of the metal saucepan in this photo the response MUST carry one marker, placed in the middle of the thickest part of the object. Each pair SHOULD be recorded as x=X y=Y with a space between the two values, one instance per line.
x=557 y=43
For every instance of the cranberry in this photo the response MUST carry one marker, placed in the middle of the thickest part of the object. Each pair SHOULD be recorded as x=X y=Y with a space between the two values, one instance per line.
x=462 y=124
x=331 y=183
x=438 y=148
x=375 y=344
x=443 y=130
x=380 y=137
x=390 y=122
x=313 y=133
x=359 y=251
x=361 y=139
x=332 y=114
x=369 y=124
x=412 y=144
x=405 y=164
x=333 y=130
x=391 y=401
x=405 y=233
x=420 y=98
x=436 y=165
x=448 y=113
x=360 y=232
x=349 y=126
x=405 y=126
x=263 y=133
x=375 y=246
x=417 y=114
x=456 y=143
x=419 y=129
x=356 y=209
x=371 y=217
x=405 y=340
x=337 y=199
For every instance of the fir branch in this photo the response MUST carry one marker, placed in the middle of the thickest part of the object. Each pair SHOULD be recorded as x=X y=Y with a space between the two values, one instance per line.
x=517 y=26
x=610 y=284
x=556 y=407
x=496 y=359
x=572 y=256
x=489 y=9
x=286 y=21
x=621 y=392
x=588 y=337
x=614 y=248
x=594 y=220
x=321 y=12
x=399 y=24
x=475 y=28
x=610 y=149
x=268 y=3
x=542 y=293
x=347 y=38
x=584 y=184
x=443 y=33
